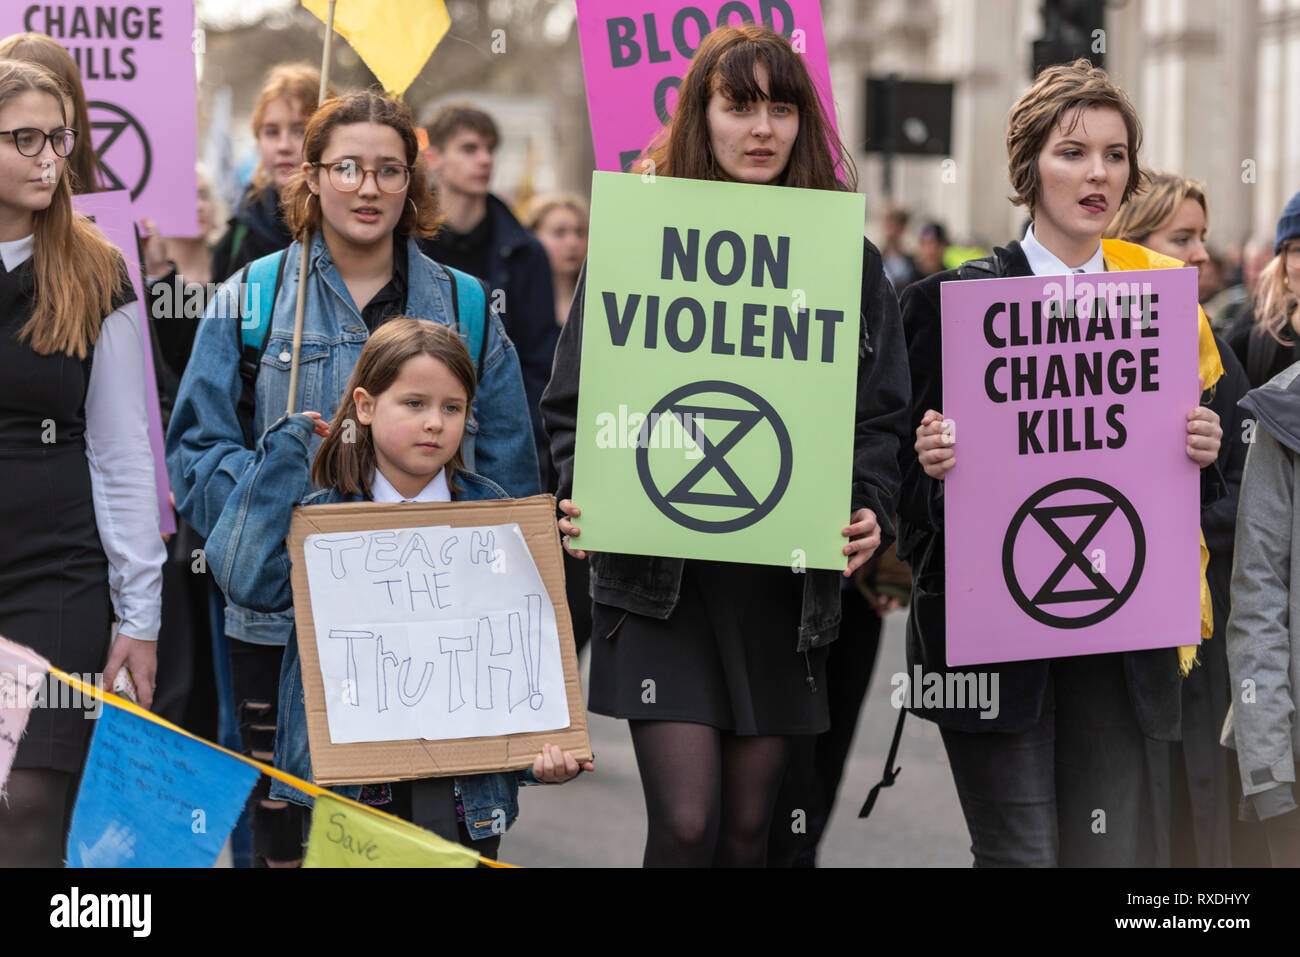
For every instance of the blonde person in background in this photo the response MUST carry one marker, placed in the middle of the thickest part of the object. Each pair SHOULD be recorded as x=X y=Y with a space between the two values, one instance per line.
x=1197 y=817
x=560 y=221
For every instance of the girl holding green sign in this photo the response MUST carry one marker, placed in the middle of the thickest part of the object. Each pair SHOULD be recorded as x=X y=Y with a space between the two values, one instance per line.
x=719 y=666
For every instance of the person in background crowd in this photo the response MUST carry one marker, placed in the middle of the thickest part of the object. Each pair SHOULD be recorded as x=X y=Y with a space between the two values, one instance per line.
x=82 y=165
x=1211 y=277
x=482 y=237
x=1070 y=735
x=285 y=104
x=80 y=515
x=1266 y=338
x=559 y=221
x=1236 y=301
x=899 y=266
x=1171 y=217
x=931 y=244
x=740 y=649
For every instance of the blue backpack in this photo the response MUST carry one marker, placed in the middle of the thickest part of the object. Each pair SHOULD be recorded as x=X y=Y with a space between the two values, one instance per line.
x=260 y=282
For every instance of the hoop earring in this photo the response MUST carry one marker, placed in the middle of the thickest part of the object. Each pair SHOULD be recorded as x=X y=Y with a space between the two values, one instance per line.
x=415 y=209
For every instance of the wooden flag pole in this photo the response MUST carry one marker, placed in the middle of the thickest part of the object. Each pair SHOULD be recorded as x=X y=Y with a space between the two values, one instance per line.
x=307 y=242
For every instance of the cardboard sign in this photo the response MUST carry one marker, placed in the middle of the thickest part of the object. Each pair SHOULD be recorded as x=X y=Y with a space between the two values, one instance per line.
x=111 y=213
x=434 y=639
x=719 y=361
x=635 y=53
x=151 y=797
x=1072 y=517
x=346 y=835
x=137 y=66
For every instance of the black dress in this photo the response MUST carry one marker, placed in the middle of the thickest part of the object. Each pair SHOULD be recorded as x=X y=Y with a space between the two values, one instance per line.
x=725 y=658
x=54 y=594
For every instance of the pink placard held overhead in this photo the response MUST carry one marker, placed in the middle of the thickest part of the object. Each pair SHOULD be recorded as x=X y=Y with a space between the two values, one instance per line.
x=1072 y=516
x=635 y=53
x=137 y=65
x=111 y=212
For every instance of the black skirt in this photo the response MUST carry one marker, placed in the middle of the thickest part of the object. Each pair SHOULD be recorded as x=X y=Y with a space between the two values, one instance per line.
x=726 y=656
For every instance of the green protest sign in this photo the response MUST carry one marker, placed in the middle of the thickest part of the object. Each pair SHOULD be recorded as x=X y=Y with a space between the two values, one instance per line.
x=719 y=355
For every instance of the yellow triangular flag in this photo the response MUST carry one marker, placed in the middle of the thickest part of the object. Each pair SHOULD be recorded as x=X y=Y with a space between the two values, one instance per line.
x=395 y=38
x=344 y=834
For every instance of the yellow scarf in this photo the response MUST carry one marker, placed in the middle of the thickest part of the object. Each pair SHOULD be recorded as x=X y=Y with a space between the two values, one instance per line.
x=1122 y=257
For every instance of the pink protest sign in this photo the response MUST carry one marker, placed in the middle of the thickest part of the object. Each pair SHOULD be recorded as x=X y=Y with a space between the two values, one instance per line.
x=635 y=53
x=1072 y=516
x=111 y=212
x=137 y=65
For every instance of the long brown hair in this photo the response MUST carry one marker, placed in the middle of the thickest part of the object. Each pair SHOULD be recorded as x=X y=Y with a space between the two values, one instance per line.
x=346 y=458
x=302 y=206
x=296 y=82
x=49 y=53
x=726 y=60
x=76 y=270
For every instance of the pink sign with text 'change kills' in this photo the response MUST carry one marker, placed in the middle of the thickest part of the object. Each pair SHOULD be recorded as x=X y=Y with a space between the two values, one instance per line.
x=1072 y=516
x=137 y=67
x=635 y=53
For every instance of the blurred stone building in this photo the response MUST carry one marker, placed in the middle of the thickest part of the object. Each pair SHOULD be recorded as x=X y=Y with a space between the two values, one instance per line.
x=1216 y=82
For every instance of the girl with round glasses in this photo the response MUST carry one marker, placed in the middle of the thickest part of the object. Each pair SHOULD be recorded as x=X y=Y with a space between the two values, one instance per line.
x=75 y=458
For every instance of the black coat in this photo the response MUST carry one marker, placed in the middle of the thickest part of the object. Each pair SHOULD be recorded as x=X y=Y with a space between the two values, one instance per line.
x=1153 y=679
x=519 y=269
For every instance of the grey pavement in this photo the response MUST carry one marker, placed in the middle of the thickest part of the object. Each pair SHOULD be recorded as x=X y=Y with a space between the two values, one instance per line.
x=598 y=820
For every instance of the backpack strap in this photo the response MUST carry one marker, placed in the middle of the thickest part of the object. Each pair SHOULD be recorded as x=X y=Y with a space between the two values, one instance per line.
x=259 y=282
x=237 y=240
x=469 y=302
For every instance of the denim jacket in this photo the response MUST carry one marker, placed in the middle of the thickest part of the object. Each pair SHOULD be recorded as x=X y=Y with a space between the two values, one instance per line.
x=206 y=454
x=651 y=585
x=248 y=557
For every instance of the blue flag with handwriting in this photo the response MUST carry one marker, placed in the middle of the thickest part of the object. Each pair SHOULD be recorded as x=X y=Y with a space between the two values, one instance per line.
x=153 y=798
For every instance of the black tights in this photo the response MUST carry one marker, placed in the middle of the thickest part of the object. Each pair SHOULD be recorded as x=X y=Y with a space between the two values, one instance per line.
x=34 y=817
x=709 y=794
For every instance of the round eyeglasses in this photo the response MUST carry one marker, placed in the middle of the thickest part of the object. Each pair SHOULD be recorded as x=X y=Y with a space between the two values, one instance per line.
x=347 y=176
x=30 y=141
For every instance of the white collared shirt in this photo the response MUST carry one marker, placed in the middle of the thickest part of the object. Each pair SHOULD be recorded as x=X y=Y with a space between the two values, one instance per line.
x=381 y=490
x=1045 y=263
x=122 y=484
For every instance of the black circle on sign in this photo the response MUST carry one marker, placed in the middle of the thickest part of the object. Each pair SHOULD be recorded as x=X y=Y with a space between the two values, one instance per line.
x=118 y=127
x=1026 y=604
x=768 y=413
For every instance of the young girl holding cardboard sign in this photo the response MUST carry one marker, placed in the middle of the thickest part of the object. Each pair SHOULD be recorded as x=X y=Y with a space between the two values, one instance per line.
x=1070 y=736
x=408 y=400
x=739 y=650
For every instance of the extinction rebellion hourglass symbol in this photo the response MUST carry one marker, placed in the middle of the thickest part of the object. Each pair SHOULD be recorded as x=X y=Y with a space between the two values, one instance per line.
x=1077 y=521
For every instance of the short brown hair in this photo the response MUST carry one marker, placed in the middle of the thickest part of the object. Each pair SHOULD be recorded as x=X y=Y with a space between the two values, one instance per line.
x=347 y=463
x=451 y=118
x=1153 y=207
x=1069 y=88
x=302 y=207
x=296 y=82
